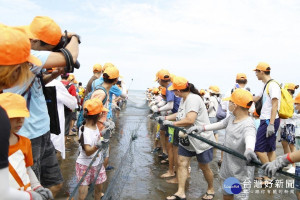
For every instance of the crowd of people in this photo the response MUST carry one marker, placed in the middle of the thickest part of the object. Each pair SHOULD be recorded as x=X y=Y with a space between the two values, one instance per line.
x=36 y=121
x=250 y=123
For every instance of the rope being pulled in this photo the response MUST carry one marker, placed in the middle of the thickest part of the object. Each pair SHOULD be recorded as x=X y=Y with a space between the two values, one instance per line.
x=231 y=151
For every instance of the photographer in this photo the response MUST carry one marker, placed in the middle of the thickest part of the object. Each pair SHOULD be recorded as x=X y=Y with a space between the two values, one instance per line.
x=44 y=36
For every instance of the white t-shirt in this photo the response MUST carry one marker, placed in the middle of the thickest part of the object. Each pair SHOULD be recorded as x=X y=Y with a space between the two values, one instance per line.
x=274 y=92
x=90 y=137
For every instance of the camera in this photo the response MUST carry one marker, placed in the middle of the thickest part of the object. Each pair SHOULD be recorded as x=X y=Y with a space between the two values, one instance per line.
x=60 y=47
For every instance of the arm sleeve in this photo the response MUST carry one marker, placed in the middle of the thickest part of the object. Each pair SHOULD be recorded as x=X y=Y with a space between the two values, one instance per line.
x=65 y=97
x=9 y=193
x=161 y=103
x=34 y=182
x=168 y=106
x=217 y=126
x=250 y=137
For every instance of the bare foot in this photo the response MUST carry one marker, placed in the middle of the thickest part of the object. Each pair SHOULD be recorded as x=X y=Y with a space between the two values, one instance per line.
x=173 y=180
x=167 y=175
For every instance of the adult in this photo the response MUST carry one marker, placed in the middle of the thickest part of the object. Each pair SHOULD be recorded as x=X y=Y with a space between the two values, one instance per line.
x=97 y=71
x=67 y=81
x=191 y=112
x=44 y=35
x=64 y=98
x=265 y=145
x=15 y=59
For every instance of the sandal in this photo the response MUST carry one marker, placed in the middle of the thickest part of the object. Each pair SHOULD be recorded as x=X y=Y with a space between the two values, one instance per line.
x=176 y=197
x=208 y=196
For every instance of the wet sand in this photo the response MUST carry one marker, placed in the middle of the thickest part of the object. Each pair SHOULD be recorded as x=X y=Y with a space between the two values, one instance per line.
x=137 y=171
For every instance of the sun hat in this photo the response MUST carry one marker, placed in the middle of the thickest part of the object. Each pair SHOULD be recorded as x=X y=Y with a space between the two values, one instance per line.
x=15 y=47
x=94 y=106
x=45 y=29
x=112 y=72
x=241 y=97
x=262 y=66
x=179 y=83
x=97 y=68
x=14 y=105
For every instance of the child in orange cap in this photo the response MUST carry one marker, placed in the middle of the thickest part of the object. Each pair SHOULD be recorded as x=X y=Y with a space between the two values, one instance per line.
x=90 y=142
x=291 y=157
x=22 y=176
x=287 y=129
x=240 y=136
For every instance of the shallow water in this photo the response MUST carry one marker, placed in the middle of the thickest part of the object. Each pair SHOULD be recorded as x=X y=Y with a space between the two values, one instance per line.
x=137 y=171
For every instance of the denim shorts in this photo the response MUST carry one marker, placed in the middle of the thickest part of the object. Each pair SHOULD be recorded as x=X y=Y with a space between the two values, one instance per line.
x=264 y=144
x=45 y=163
x=203 y=158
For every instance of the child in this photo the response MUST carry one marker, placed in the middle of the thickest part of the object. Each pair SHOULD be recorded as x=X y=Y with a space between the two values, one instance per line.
x=290 y=158
x=240 y=136
x=89 y=139
x=20 y=158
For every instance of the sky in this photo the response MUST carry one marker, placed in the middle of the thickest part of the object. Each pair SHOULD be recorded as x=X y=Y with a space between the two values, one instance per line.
x=207 y=42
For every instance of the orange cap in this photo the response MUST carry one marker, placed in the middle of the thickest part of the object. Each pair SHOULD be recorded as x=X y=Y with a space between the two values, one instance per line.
x=94 y=106
x=164 y=75
x=214 y=89
x=107 y=65
x=172 y=77
x=202 y=92
x=75 y=81
x=262 y=66
x=112 y=72
x=291 y=86
x=297 y=99
x=241 y=98
x=155 y=91
x=45 y=29
x=163 y=91
x=14 y=105
x=149 y=89
x=179 y=83
x=241 y=76
x=15 y=47
x=71 y=77
x=97 y=68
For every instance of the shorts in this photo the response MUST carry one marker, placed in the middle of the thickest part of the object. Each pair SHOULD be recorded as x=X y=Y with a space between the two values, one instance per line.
x=74 y=115
x=106 y=152
x=213 y=120
x=264 y=144
x=288 y=134
x=164 y=128
x=91 y=175
x=45 y=163
x=173 y=136
x=203 y=158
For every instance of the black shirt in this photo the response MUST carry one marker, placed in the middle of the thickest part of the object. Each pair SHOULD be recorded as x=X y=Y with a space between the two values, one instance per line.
x=4 y=138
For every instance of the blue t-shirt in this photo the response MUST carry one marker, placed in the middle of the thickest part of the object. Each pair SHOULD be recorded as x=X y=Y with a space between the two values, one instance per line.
x=170 y=96
x=39 y=122
x=114 y=90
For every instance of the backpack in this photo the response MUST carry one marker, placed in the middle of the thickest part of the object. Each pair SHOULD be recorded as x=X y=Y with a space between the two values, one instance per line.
x=286 y=109
x=221 y=113
x=258 y=104
x=87 y=97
